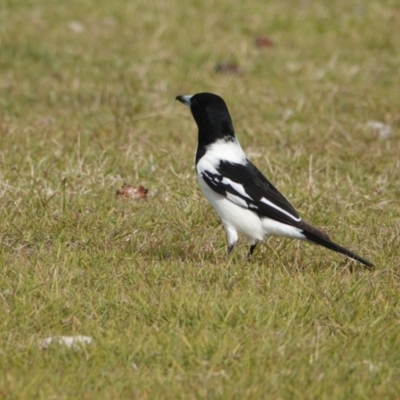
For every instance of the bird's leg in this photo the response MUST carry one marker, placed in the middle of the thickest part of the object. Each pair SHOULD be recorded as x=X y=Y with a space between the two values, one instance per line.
x=252 y=247
x=231 y=237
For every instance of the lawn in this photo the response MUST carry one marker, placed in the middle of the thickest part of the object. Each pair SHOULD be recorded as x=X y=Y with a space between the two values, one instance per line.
x=87 y=93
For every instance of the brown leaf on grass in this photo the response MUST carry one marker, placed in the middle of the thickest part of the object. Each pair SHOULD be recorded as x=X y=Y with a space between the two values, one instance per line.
x=228 y=68
x=207 y=247
x=263 y=41
x=130 y=192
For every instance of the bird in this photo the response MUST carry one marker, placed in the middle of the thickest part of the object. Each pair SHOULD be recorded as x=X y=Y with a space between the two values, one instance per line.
x=245 y=200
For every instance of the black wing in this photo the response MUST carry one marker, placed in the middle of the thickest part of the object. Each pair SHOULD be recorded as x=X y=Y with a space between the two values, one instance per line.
x=247 y=187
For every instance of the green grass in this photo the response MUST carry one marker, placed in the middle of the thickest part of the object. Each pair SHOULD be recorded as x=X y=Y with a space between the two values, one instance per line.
x=87 y=94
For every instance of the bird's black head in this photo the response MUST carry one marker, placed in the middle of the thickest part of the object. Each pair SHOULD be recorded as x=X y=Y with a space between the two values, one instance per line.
x=211 y=115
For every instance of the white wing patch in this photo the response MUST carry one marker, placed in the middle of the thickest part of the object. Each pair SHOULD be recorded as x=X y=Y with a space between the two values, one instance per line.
x=236 y=186
x=265 y=201
x=208 y=165
x=237 y=200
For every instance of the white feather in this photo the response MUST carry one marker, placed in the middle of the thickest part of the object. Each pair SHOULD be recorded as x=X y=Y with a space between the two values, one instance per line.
x=230 y=151
x=243 y=220
x=233 y=216
x=265 y=201
x=236 y=186
x=236 y=199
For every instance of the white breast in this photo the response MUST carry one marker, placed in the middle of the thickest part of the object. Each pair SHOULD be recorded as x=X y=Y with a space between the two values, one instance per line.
x=241 y=219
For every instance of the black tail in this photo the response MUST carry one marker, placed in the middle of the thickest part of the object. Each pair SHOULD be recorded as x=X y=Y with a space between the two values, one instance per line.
x=316 y=236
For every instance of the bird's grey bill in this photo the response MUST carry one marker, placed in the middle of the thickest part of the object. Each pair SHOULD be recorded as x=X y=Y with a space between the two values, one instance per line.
x=185 y=99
